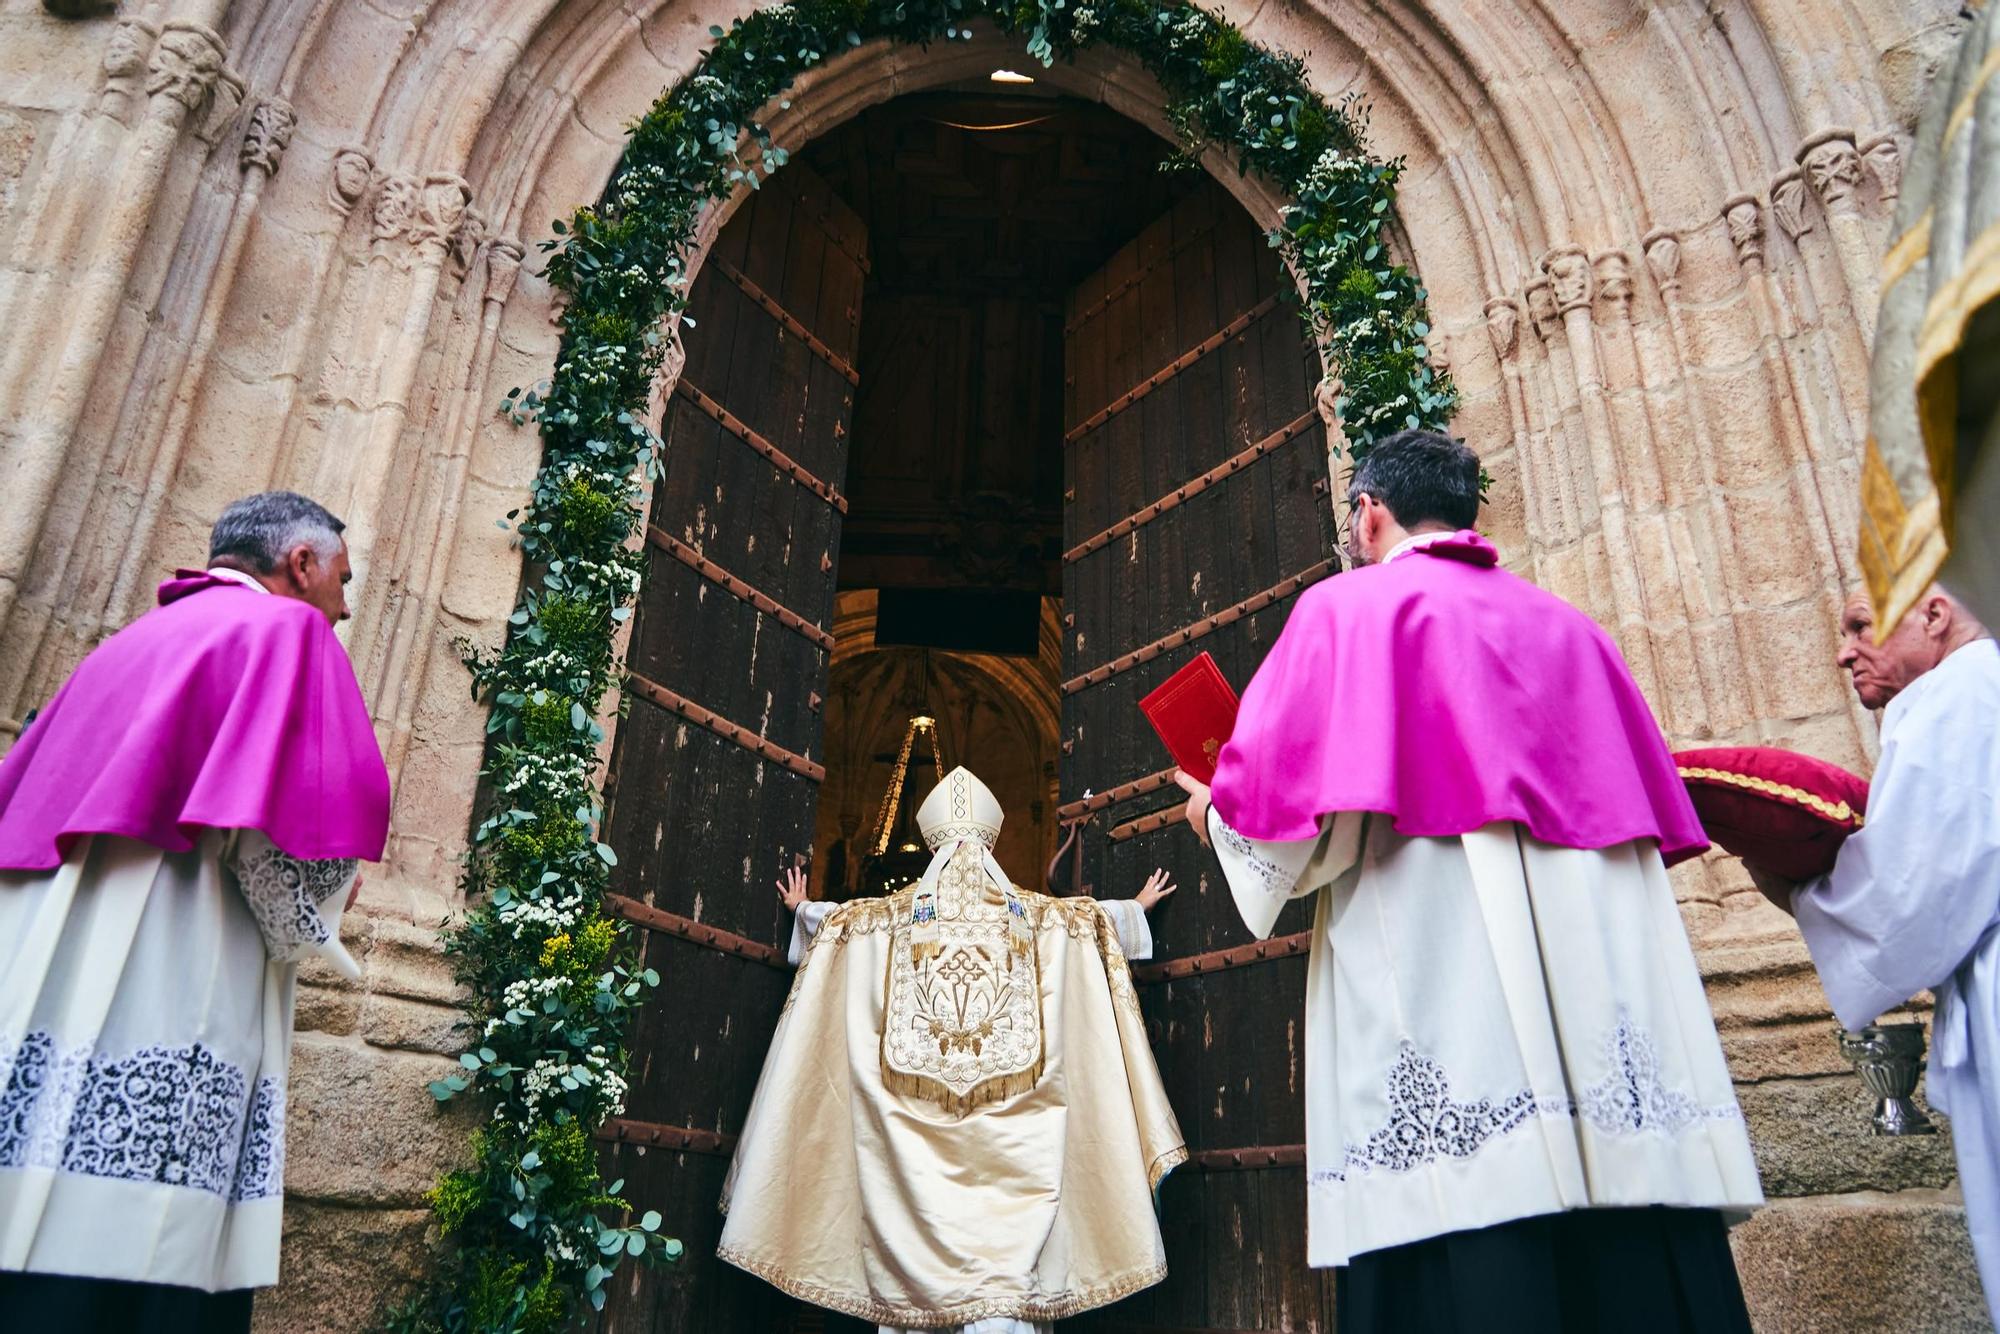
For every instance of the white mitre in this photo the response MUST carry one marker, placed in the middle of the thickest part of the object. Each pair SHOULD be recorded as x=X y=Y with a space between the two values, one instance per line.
x=960 y=808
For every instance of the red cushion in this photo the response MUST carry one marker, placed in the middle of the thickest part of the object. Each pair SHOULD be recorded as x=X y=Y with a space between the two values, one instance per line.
x=1780 y=811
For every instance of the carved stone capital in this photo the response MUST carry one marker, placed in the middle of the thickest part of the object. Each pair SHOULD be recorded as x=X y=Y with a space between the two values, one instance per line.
x=395 y=206
x=268 y=135
x=1788 y=202
x=1542 y=309
x=467 y=240
x=1745 y=218
x=1326 y=402
x=441 y=205
x=1613 y=269
x=1503 y=325
x=1568 y=268
x=503 y=266
x=353 y=169
x=1883 y=156
x=1833 y=169
x=131 y=43
x=185 y=64
x=1663 y=257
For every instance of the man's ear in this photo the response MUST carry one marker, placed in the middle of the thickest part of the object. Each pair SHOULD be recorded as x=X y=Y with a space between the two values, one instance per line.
x=1938 y=616
x=298 y=565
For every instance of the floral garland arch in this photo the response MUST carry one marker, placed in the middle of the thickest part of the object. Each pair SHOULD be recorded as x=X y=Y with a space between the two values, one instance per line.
x=552 y=981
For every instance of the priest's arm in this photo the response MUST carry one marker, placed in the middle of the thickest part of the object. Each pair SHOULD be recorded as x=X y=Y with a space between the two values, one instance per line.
x=1128 y=916
x=1266 y=874
x=1915 y=891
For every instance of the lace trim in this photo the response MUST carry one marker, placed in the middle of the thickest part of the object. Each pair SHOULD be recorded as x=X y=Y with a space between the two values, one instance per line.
x=1271 y=877
x=867 y=1308
x=285 y=894
x=172 y=1116
x=1425 y=1124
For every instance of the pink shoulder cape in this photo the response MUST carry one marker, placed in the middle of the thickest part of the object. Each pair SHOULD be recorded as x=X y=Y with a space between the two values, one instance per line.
x=221 y=708
x=1448 y=694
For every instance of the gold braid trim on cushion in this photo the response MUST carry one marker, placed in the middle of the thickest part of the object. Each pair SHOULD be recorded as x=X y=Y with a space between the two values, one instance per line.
x=876 y=1312
x=1838 y=811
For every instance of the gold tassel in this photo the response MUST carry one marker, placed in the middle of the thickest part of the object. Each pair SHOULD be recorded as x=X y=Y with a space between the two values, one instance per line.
x=925 y=1088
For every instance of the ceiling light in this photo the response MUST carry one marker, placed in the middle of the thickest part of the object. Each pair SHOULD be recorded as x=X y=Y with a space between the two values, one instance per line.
x=1009 y=76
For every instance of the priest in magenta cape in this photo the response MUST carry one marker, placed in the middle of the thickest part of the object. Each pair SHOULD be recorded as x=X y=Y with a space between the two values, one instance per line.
x=179 y=828
x=1517 y=1111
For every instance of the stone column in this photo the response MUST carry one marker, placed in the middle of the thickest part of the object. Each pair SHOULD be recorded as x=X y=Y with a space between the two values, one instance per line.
x=263 y=148
x=1572 y=285
x=1832 y=166
x=181 y=74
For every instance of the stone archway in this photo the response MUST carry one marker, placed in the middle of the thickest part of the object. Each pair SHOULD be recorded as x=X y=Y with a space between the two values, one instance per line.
x=263 y=321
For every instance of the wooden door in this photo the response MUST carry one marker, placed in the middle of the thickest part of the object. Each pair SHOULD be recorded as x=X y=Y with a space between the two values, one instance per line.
x=716 y=769
x=1197 y=509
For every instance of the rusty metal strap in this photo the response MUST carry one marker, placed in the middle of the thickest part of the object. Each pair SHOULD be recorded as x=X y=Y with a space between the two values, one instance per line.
x=1227 y=468
x=722 y=727
x=735 y=587
x=1248 y=1160
x=1146 y=824
x=1090 y=312
x=1172 y=368
x=1112 y=796
x=698 y=933
x=654 y=1134
x=788 y=320
x=778 y=459
x=1207 y=625
x=1221 y=961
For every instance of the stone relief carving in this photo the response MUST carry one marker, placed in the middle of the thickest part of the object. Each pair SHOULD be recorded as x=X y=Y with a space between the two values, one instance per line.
x=1833 y=167
x=673 y=359
x=131 y=42
x=268 y=135
x=353 y=169
x=441 y=206
x=1788 y=202
x=1883 y=156
x=394 y=208
x=1663 y=257
x=1542 y=309
x=1613 y=269
x=1746 y=230
x=465 y=242
x=1569 y=274
x=185 y=65
x=1503 y=324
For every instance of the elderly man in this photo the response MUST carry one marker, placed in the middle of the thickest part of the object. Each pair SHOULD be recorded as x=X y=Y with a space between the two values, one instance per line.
x=178 y=829
x=1517 y=1112
x=1914 y=899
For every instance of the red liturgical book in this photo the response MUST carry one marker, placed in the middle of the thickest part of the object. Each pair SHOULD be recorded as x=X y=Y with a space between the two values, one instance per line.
x=1194 y=711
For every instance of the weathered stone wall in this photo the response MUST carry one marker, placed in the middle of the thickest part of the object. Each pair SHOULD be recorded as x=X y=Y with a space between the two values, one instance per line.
x=281 y=242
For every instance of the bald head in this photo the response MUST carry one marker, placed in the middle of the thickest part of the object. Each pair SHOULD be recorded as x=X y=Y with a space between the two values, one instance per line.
x=1934 y=627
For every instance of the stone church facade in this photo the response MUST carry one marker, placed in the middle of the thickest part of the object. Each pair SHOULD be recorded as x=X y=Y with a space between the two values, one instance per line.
x=293 y=243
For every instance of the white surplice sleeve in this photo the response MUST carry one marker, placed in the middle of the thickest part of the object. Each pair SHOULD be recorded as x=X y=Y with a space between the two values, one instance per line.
x=1128 y=919
x=805 y=925
x=1265 y=874
x=1917 y=887
x=297 y=903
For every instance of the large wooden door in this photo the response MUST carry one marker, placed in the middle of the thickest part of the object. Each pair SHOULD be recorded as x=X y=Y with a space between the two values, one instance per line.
x=1197 y=509
x=716 y=770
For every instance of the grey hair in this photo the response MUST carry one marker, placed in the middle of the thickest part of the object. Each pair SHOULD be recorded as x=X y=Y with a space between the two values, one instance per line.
x=258 y=530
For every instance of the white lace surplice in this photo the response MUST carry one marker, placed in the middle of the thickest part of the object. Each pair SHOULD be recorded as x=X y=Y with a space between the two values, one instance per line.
x=145 y=1029
x=1495 y=1029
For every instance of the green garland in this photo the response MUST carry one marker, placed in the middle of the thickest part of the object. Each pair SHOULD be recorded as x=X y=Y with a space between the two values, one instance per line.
x=552 y=981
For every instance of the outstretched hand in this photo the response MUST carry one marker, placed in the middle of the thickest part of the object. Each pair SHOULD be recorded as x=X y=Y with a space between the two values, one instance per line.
x=792 y=887
x=1197 y=806
x=1156 y=889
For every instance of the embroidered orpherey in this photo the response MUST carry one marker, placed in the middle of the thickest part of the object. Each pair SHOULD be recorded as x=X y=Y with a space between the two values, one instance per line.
x=964 y=1021
x=172 y=1116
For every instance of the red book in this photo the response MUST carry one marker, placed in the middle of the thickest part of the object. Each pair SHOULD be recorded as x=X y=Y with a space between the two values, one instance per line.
x=1194 y=711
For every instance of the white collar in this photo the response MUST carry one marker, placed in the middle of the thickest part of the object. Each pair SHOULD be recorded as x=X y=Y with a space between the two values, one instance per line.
x=236 y=577
x=1417 y=543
